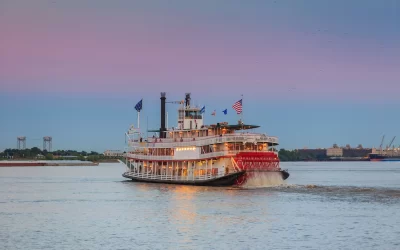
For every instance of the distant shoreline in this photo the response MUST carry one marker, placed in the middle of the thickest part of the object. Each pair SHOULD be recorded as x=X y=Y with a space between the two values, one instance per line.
x=330 y=160
x=41 y=163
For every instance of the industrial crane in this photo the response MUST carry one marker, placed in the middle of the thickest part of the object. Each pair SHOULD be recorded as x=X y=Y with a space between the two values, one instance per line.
x=391 y=142
x=380 y=147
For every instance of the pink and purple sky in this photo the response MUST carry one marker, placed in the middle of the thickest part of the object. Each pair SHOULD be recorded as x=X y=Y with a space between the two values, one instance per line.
x=312 y=72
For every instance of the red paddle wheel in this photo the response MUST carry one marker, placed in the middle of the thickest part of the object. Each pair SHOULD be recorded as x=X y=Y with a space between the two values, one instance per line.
x=254 y=162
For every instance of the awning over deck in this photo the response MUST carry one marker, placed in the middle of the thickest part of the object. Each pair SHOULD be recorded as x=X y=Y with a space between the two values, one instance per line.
x=219 y=126
x=239 y=126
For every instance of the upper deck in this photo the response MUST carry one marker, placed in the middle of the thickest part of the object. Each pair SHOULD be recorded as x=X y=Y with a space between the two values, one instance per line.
x=204 y=140
x=191 y=131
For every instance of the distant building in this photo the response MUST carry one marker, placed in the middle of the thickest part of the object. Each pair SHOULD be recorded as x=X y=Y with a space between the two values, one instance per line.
x=113 y=153
x=334 y=152
x=40 y=156
x=356 y=152
x=348 y=152
x=387 y=151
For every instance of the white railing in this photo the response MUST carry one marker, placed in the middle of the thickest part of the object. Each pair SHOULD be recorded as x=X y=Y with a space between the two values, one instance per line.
x=200 y=157
x=169 y=158
x=150 y=157
x=202 y=141
x=150 y=176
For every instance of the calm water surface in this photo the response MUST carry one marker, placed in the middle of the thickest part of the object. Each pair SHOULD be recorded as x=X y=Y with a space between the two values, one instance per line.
x=321 y=206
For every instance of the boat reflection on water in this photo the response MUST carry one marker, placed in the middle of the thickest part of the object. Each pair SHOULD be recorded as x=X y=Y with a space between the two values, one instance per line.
x=189 y=208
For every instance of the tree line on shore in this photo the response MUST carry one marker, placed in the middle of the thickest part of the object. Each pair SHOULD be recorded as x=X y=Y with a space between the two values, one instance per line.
x=301 y=155
x=288 y=155
x=37 y=153
x=296 y=155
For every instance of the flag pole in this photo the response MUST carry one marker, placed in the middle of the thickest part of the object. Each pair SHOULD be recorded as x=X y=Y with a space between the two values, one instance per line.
x=138 y=108
x=203 y=115
x=241 y=114
x=138 y=119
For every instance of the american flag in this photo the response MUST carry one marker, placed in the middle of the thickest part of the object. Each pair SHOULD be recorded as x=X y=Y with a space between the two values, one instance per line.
x=238 y=106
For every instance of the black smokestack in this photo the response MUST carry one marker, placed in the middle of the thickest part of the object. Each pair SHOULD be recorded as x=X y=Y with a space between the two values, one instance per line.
x=163 y=128
x=187 y=99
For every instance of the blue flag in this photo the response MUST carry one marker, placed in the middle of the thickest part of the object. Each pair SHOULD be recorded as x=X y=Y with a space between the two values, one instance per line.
x=225 y=111
x=138 y=106
x=203 y=109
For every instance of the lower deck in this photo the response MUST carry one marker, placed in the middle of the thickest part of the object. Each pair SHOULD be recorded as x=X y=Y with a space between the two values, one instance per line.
x=182 y=170
x=223 y=170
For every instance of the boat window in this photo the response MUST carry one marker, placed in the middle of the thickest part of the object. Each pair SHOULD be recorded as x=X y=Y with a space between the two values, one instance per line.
x=180 y=114
x=193 y=115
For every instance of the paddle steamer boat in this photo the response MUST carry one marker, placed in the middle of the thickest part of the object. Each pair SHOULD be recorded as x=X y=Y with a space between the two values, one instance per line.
x=194 y=153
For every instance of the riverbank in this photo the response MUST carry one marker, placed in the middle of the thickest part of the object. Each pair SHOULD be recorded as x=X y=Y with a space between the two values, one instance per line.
x=46 y=163
x=107 y=161
x=337 y=159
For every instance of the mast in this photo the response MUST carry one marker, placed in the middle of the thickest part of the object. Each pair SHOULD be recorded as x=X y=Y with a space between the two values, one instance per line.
x=202 y=115
x=138 y=108
x=241 y=114
x=138 y=119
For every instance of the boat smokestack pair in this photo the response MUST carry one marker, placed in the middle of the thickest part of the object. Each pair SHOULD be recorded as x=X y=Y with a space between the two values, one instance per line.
x=163 y=129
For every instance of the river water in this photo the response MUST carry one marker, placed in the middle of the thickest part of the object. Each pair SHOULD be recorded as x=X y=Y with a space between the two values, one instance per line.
x=335 y=205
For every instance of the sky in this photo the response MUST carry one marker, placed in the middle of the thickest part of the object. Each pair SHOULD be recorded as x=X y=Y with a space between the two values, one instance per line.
x=312 y=72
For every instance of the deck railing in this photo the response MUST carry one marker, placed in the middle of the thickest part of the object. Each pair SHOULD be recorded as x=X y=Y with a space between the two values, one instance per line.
x=151 y=176
x=200 y=157
x=202 y=141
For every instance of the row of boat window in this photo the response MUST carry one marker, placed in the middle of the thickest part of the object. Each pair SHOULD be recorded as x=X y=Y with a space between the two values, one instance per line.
x=205 y=149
